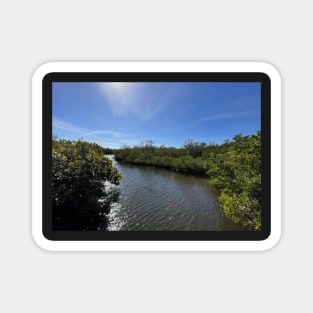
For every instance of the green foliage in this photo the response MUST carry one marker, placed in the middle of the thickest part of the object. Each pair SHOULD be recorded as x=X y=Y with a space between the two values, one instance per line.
x=242 y=208
x=236 y=172
x=172 y=158
x=79 y=169
x=194 y=149
x=107 y=150
x=234 y=168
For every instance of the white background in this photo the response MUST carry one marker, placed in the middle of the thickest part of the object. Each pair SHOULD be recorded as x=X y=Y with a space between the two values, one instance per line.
x=35 y=32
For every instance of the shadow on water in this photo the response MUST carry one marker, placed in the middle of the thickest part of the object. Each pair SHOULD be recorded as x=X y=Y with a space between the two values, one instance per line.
x=91 y=214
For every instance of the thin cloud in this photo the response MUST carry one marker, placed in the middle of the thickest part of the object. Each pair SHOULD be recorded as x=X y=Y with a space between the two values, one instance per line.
x=132 y=101
x=106 y=132
x=58 y=124
x=231 y=115
x=79 y=132
x=106 y=138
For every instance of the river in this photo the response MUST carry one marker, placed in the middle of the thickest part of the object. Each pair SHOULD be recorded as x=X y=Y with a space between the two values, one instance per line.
x=161 y=200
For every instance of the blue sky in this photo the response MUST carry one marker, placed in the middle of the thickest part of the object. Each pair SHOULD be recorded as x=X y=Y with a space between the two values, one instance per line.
x=116 y=114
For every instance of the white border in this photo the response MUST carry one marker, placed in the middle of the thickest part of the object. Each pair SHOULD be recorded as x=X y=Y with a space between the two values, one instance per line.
x=156 y=67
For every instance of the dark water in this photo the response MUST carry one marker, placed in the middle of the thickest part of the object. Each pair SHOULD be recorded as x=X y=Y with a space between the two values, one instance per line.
x=157 y=199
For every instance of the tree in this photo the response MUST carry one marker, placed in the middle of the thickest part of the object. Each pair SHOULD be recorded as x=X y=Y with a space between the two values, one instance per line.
x=79 y=170
x=236 y=172
x=194 y=149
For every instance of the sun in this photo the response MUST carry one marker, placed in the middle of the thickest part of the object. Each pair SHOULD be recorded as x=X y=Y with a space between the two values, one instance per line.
x=117 y=86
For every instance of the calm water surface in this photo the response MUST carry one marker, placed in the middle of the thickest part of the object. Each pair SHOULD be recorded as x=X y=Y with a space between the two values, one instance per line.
x=158 y=199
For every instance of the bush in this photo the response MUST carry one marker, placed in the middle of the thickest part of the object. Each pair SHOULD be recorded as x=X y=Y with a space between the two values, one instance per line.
x=236 y=173
x=79 y=170
x=242 y=209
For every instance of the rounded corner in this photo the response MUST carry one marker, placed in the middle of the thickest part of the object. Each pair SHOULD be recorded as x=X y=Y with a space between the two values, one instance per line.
x=48 y=76
x=42 y=240
x=271 y=241
x=270 y=71
x=42 y=71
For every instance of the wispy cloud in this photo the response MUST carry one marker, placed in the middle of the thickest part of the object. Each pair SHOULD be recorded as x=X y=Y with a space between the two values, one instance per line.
x=58 y=124
x=231 y=115
x=133 y=101
x=113 y=133
x=82 y=132
x=107 y=138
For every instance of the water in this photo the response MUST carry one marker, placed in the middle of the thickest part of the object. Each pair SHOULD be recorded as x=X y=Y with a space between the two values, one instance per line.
x=158 y=199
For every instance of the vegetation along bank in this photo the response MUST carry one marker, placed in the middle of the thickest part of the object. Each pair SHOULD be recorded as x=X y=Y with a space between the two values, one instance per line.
x=233 y=168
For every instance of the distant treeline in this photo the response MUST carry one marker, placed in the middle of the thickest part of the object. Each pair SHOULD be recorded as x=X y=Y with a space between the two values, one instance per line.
x=107 y=151
x=233 y=167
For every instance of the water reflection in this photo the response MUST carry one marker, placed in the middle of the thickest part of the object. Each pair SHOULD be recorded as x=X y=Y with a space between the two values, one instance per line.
x=161 y=200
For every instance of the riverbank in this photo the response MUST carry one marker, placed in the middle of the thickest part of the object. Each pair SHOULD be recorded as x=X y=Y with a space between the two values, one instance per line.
x=183 y=164
x=159 y=199
x=233 y=168
x=157 y=166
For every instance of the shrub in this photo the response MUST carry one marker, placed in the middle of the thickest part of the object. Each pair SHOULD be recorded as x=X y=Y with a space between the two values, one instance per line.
x=79 y=170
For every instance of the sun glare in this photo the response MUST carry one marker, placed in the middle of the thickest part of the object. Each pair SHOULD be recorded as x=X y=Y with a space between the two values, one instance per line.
x=117 y=86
